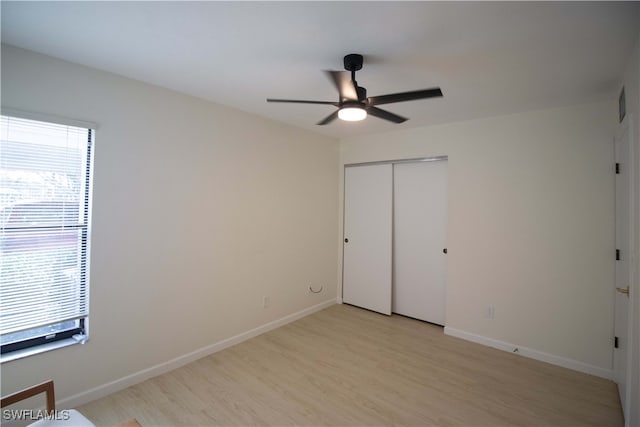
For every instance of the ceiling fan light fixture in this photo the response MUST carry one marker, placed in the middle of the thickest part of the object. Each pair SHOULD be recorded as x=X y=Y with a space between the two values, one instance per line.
x=352 y=114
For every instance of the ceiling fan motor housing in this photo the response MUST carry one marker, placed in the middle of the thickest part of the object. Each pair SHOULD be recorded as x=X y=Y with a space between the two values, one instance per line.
x=362 y=93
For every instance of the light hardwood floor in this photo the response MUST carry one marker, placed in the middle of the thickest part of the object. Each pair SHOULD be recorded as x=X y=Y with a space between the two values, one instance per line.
x=345 y=366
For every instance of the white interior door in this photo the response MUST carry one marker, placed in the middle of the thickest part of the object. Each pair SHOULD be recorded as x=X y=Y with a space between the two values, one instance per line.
x=419 y=237
x=367 y=237
x=621 y=354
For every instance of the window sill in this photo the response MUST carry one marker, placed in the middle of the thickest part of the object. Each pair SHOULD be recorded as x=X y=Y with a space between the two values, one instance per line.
x=20 y=354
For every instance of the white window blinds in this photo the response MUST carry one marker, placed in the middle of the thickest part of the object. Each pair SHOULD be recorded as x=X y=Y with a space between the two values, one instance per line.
x=44 y=214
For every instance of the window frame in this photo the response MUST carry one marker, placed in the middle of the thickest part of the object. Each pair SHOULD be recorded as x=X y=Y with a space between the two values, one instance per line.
x=80 y=333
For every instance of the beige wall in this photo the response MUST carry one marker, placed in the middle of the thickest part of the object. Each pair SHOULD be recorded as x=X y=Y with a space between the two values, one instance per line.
x=199 y=212
x=531 y=219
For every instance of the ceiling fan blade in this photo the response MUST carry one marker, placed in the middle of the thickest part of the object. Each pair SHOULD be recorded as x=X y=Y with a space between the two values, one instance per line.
x=331 y=117
x=344 y=85
x=383 y=114
x=298 y=101
x=404 y=96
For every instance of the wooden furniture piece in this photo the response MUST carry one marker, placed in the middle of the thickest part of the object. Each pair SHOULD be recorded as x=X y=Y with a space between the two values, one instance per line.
x=53 y=418
x=45 y=387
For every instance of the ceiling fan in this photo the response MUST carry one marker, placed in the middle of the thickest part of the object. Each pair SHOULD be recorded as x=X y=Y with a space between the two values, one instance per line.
x=353 y=103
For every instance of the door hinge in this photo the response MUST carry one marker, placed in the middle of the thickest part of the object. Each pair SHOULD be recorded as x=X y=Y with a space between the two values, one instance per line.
x=617 y=168
x=615 y=342
x=617 y=254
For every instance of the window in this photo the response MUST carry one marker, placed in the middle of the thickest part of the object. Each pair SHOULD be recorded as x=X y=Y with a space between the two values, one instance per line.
x=45 y=187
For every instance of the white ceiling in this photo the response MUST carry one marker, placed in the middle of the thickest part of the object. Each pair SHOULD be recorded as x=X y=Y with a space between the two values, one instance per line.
x=488 y=58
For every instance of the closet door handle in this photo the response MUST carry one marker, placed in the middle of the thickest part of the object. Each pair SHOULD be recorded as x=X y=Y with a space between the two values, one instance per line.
x=346 y=240
x=444 y=251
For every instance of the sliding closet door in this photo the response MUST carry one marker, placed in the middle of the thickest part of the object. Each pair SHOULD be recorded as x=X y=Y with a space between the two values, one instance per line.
x=368 y=213
x=420 y=222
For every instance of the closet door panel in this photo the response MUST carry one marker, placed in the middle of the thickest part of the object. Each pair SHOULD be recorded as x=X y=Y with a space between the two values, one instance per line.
x=420 y=222
x=368 y=210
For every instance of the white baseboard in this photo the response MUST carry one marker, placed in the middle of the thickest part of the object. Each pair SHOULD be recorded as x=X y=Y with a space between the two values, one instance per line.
x=145 y=374
x=531 y=353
